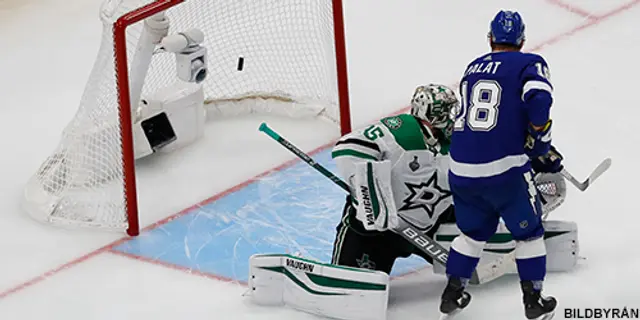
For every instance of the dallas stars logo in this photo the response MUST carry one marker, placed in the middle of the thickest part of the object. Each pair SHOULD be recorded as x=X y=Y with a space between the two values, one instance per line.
x=425 y=195
x=366 y=263
x=393 y=122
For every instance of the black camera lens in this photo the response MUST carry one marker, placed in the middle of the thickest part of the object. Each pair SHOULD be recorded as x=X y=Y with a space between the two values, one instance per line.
x=201 y=74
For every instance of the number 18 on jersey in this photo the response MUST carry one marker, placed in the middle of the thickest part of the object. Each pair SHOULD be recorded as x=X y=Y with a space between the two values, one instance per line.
x=501 y=93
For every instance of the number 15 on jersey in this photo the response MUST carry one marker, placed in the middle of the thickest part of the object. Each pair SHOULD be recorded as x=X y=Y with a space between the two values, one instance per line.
x=480 y=107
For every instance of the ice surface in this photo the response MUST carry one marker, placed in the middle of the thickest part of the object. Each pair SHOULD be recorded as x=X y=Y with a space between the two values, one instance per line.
x=393 y=46
x=293 y=210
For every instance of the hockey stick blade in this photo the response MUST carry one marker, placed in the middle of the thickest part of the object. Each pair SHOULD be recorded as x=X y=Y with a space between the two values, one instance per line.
x=597 y=172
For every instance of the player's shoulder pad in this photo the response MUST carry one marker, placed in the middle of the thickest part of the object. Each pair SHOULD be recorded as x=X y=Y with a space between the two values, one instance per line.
x=397 y=121
x=535 y=66
x=406 y=131
x=401 y=123
x=531 y=58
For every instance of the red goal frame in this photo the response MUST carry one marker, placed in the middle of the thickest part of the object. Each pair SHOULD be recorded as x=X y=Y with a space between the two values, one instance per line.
x=124 y=99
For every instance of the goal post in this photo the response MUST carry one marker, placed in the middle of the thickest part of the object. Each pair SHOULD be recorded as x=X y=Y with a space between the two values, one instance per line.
x=297 y=53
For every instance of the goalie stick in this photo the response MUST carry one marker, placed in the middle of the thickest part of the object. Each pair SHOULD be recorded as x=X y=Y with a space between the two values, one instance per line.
x=483 y=273
x=598 y=171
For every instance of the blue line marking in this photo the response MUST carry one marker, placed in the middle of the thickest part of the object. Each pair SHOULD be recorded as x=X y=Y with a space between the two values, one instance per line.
x=294 y=210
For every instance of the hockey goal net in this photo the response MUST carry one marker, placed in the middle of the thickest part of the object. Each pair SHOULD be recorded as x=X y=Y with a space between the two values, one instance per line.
x=275 y=56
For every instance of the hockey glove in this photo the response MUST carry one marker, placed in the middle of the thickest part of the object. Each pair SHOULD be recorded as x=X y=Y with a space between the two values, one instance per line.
x=551 y=162
x=538 y=140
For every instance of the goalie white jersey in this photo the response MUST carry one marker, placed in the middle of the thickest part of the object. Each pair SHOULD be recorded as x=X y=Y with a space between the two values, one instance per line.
x=419 y=165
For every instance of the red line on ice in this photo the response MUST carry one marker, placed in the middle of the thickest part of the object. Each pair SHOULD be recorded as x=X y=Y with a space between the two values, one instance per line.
x=588 y=23
x=573 y=9
x=109 y=247
x=176 y=267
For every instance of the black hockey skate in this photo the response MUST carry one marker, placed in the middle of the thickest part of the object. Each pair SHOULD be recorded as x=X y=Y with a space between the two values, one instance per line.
x=454 y=299
x=537 y=307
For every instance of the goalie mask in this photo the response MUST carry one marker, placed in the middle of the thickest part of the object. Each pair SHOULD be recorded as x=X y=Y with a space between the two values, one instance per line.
x=435 y=104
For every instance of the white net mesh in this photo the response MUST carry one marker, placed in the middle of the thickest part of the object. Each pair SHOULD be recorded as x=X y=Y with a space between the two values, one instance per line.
x=289 y=68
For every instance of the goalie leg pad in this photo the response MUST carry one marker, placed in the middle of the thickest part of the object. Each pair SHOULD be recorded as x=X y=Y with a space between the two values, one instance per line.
x=560 y=239
x=563 y=247
x=318 y=288
x=375 y=204
x=530 y=248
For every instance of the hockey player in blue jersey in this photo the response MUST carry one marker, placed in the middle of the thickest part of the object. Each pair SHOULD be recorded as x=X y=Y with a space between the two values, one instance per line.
x=501 y=130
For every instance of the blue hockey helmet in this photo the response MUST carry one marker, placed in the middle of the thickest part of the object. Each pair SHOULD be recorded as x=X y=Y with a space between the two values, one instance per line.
x=507 y=28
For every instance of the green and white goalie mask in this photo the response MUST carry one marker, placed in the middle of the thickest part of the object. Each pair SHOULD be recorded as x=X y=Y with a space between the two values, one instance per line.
x=435 y=104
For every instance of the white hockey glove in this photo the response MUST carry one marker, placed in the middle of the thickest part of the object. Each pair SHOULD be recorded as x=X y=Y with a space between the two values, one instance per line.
x=372 y=189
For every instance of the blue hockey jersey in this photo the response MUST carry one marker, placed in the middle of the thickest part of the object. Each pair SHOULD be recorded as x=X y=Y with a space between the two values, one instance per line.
x=502 y=93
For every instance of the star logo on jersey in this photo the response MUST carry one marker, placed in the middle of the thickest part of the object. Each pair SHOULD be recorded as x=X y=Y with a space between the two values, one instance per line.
x=366 y=263
x=425 y=195
x=393 y=123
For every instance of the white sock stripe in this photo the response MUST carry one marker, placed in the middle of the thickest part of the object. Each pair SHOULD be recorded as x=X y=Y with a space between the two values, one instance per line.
x=468 y=246
x=530 y=249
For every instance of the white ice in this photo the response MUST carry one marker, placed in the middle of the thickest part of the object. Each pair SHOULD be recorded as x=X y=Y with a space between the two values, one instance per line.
x=48 y=47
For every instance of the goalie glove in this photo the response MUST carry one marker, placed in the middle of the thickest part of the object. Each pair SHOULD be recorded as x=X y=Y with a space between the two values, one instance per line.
x=375 y=207
x=552 y=189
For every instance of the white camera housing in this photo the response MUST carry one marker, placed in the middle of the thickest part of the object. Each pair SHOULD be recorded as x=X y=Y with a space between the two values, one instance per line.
x=191 y=65
x=182 y=106
x=191 y=57
x=182 y=41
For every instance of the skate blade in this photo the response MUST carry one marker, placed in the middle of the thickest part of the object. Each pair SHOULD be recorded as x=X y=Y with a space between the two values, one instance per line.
x=449 y=316
x=547 y=316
